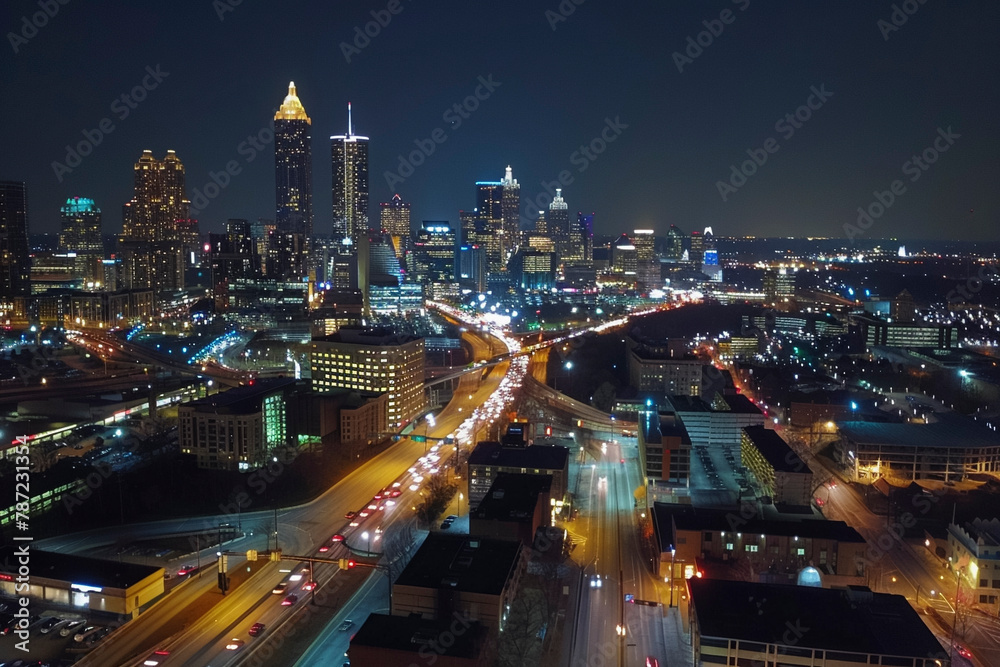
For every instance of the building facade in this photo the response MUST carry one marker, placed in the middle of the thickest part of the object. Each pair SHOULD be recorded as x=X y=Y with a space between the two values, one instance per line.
x=373 y=360
x=293 y=166
x=782 y=475
x=349 y=154
x=15 y=257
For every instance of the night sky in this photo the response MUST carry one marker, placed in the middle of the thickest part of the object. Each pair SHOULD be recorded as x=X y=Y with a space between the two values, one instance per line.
x=606 y=60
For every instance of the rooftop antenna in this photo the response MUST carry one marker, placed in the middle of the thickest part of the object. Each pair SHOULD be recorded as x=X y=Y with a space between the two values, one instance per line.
x=350 y=132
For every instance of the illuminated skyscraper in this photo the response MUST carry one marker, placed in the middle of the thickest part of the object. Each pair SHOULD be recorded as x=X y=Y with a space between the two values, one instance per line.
x=156 y=224
x=696 y=256
x=585 y=223
x=511 y=213
x=293 y=166
x=675 y=244
x=15 y=259
x=395 y=217
x=81 y=235
x=645 y=244
x=559 y=226
x=350 y=183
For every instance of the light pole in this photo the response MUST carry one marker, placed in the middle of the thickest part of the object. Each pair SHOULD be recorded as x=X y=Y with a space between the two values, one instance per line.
x=673 y=552
x=367 y=536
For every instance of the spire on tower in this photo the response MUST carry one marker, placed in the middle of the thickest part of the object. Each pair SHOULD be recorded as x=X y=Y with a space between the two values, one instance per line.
x=350 y=130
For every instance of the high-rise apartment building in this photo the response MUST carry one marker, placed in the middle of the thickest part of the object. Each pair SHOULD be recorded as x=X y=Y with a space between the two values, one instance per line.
x=157 y=230
x=395 y=217
x=81 y=236
x=349 y=153
x=15 y=258
x=293 y=166
x=373 y=360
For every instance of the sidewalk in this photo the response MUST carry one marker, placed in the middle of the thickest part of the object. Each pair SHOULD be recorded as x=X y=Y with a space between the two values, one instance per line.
x=678 y=643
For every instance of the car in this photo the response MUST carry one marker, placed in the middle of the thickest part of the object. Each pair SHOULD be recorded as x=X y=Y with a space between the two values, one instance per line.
x=234 y=644
x=363 y=514
x=98 y=636
x=337 y=538
x=257 y=629
x=156 y=658
x=85 y=632
x=652 y=662
x=445 y=525
x=595 y=581
x=7 y=624
x=323 y=549
x=395 y=493
x=71 y=628
x=350 y=515
x=50 y=624
x=346 y=625
x=964 y=652
x=373 y=506
x=451 y=517
x=186 y=570
x=289 y=600
x=280 y=588
x=309 y=585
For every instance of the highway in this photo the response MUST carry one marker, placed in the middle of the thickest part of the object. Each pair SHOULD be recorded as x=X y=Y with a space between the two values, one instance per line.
x=302 y=530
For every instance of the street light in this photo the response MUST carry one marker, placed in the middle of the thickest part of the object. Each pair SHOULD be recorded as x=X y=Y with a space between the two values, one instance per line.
x=367 y=536
x=460 y=497
x=673 y=552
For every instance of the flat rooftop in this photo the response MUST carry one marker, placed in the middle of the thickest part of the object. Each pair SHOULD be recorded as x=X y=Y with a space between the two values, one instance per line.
x=512 y=497
x=79 y=569
x=542 y=457
x=740 y=404
x=463 y=563
x=245 y=398
x=951 y=431
x=368 y=336
x=687 y=517
x=850 y=620
x=774 y=448
x=416 y=635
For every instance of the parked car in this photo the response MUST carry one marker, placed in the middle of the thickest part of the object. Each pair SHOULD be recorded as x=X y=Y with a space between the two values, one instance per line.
x=346 y=625
x=72 y=627
x=85 y=633
x=98 y=636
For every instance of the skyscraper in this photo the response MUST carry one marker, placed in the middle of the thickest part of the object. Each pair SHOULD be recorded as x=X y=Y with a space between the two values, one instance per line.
x=81 y=235
x=586 y=225
x=395 y=217
x=559 y=225
x=156 y=224
x=15 y=260
x=350 y=183
x=675 y=244
x=696 y=256
x=489 y=206
x=511 y=208
x=293 y=166
x=645 y=244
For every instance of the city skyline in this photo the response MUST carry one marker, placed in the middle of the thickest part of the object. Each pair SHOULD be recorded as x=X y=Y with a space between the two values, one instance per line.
x=671 y=136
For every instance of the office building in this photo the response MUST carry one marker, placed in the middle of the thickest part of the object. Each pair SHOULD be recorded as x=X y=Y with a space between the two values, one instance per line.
x=81 y=236
x=558 y=225
x=471 y=271
x=490 y=213
x=15 y=257
x=395 y=217
x=717 y=423
x=645 y=244
x=585 y=223
x=489 y=459
x=434 y=252
x=722 y=545
x=664 y=449
x=477 y=578
x=696 y=254
x=624 y=258
x=373 y=360
x=668 y=368
x=782 y=476
x=880 y=332
x=349 y=153
x=534 y=269
x=238 y=429
x=514 y=509
x=510 y=205
x=974 y=551
x=293 y=166
x=675 y=244
x=742 y=623
x=779 y=285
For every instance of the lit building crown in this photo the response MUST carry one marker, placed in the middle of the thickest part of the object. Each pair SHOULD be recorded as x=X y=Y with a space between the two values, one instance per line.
x=291 y=108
